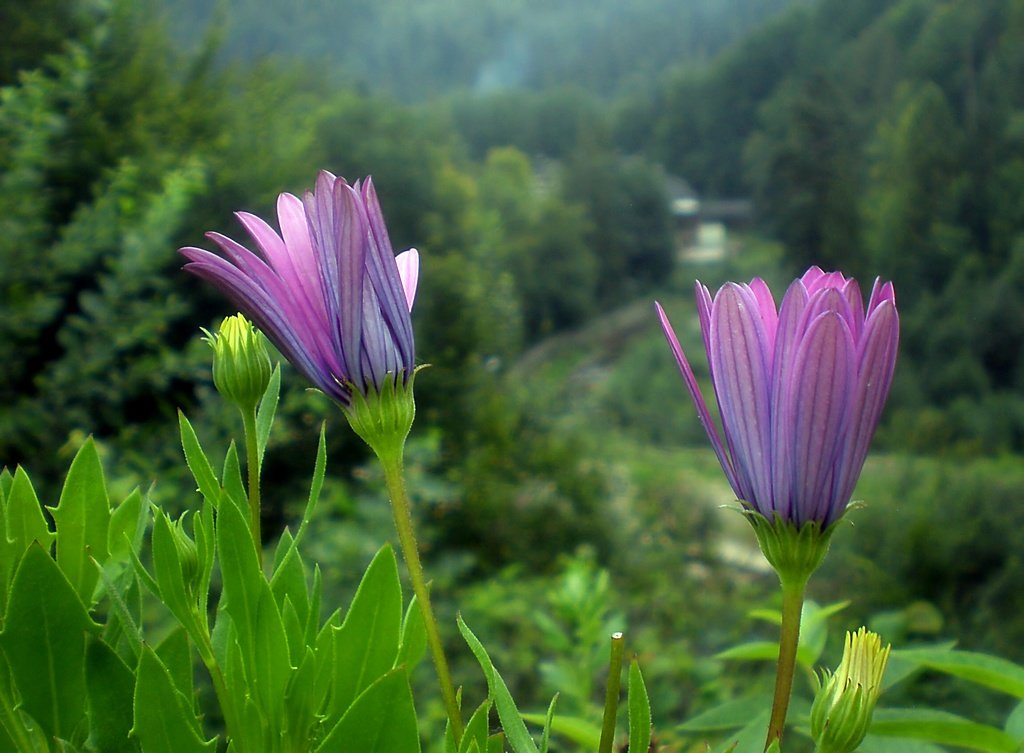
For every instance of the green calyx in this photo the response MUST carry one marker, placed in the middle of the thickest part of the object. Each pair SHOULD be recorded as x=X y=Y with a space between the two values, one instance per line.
x=241 y=363
x=383 y=419
x=793 y=552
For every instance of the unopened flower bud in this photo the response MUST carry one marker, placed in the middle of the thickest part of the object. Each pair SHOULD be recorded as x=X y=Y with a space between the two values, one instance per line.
x=841 y=713
x=241 y=364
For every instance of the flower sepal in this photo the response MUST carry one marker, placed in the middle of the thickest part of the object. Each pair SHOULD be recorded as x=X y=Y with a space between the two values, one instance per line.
x=793 y=552
x=383 y=418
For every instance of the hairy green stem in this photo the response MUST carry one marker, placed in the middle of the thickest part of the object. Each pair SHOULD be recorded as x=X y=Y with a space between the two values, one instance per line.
x=611 y=694
x=395 y=478
x=789 y=638
x=252 y=462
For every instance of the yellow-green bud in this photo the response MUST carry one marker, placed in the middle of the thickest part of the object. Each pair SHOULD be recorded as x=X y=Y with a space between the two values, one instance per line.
x=841 y=713
x=241 y=364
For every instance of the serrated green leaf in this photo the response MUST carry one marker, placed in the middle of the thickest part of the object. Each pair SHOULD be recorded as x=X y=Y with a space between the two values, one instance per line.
x=413 y=646
x=272 y=660
x=44 y=642
x=366 y=644
x=164 y=722
x=175 y=653
x=511 y=720
x=234 y=489
x=198 y=463
x=240 y=573
x=82 y=517
x=289 y=581
x=639 y=710
x=381 y=720
x=991 y=671
x=316 y=486
x=267 y=409
x=729 y=715
x=168 y=572
x=110 y=685
x=24 y=516
x=127 y=523
x=943 y=728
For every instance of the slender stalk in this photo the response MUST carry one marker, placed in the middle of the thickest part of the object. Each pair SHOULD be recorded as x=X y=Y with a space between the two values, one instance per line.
x=611 y=694
x=252 y=462
x=792 y=606
x=395 y=478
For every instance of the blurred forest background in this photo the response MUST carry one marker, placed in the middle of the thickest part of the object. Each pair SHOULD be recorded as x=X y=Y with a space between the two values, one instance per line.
x=559 y=164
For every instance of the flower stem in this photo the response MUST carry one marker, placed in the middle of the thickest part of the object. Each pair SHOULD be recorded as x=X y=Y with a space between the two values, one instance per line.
x=611 y=696
x=400 y=507
x=792 y=606
x=252 y=462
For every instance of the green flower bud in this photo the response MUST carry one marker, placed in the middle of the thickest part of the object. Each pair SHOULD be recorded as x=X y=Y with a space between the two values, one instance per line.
x=841 y=713
x=241 y=364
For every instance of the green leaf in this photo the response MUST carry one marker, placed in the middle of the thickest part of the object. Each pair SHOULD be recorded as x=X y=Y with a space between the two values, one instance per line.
x=381 y=720
x=496 y=743
x=267 y=409
x=175 y=653
x=639 y=710
x=110 y=685
x=198 y=463
x=877 y=744
x=25 y=520
x=168 y=572
x=272 y=659
x=234 y=489
x=729 y=715
x=366 y=644
x=164 y=722
x=240 y=572
x=127 y=525
x=319 y=470
x=1015 y=723
x=581 y=731
x=545 y=739
x=289 y=581
x=943 y=728
x=511 y=720
x=413 y=646
x=477 y=728
x=6 y=479
x=44 y=642
x=83 y=517
x=991 y=671
x=750 y=739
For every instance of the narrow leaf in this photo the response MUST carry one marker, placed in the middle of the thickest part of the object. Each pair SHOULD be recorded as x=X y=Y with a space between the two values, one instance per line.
x=511 y=720
x=639 y=710
x=266 y=411
x=941 y=727
x=991 y=671
x=197 y=462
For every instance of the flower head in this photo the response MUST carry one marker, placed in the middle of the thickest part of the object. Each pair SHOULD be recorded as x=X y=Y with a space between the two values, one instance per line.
x=800 y=388
x=842 y=709
x=328 y=291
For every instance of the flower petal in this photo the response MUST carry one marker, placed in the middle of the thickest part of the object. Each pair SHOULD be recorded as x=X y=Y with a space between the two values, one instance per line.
x=703 y=415
x=408 y=263
x=739 y=357
x=818 y=409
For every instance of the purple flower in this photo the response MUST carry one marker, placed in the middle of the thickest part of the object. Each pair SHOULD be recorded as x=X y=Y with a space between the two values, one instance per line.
x=329 y=291
x=800 y=389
